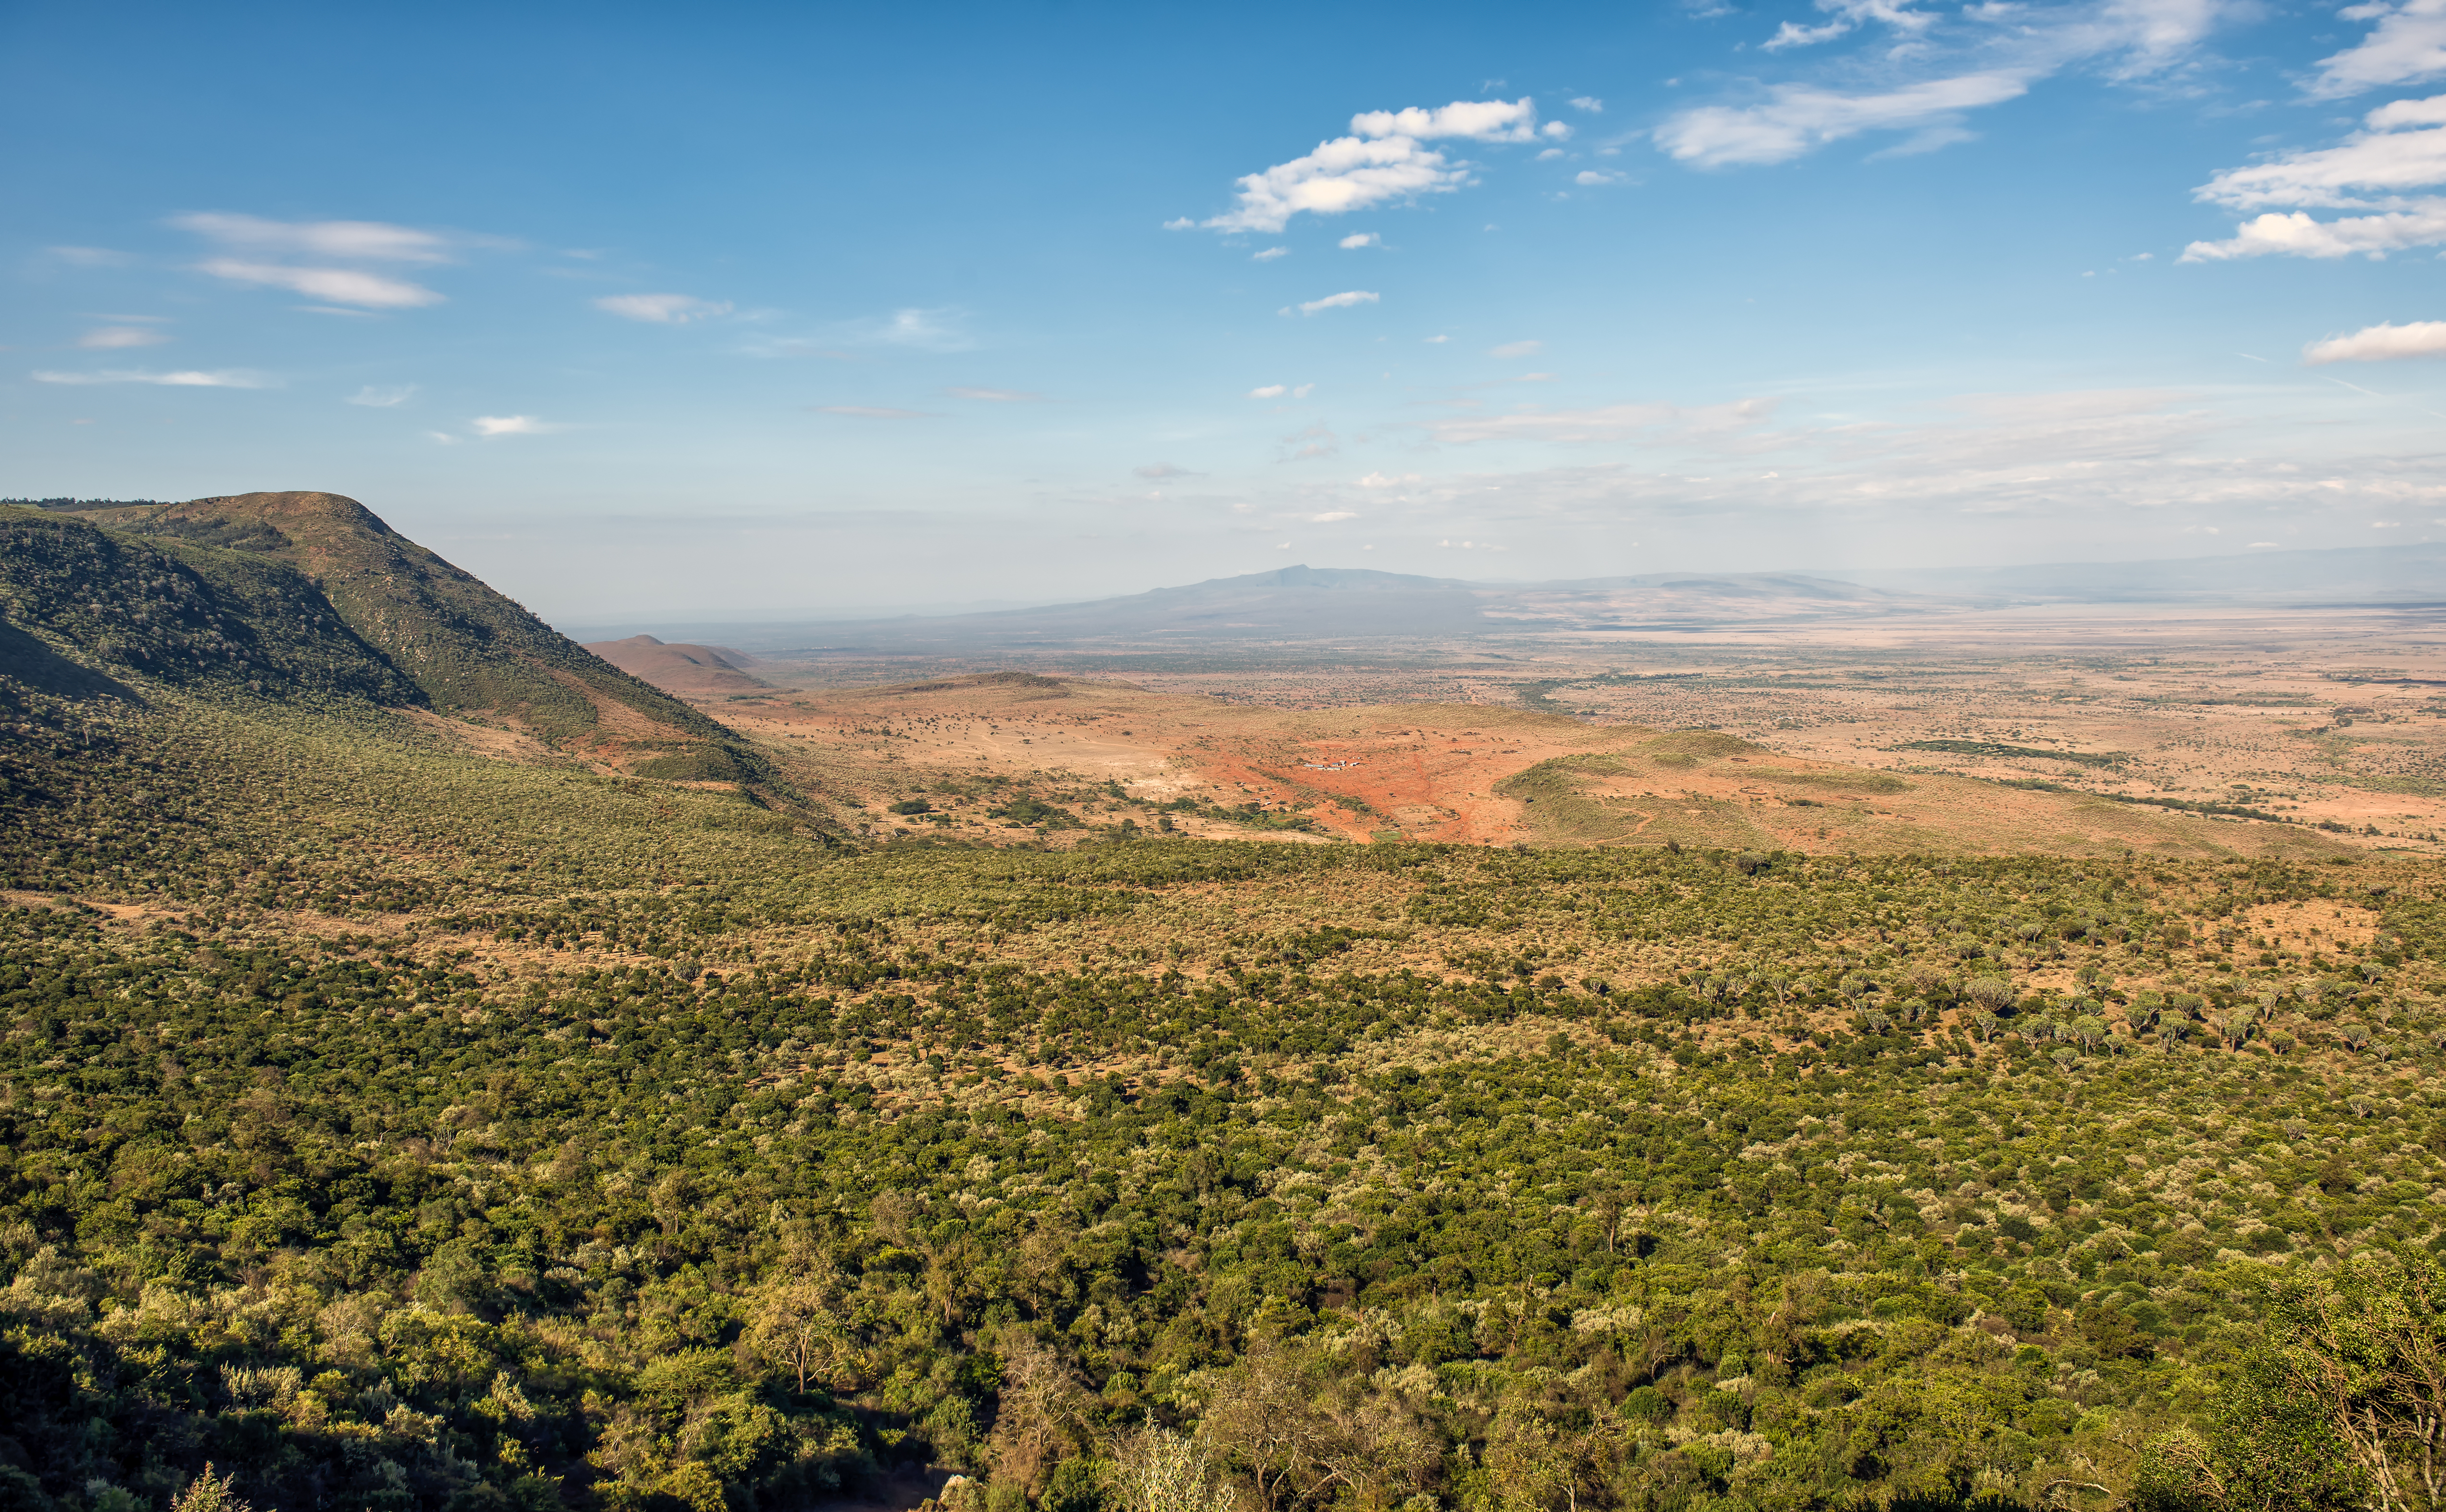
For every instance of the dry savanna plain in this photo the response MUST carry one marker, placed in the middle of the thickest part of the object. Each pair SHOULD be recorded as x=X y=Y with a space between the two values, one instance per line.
x=1915 y=1061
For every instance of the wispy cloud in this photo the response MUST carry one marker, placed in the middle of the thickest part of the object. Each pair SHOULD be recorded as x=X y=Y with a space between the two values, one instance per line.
x=513 y=425
x=340 y=286
x=112 y=337
x=1798 y=118
x=873 y=411
x=2407 y=45
x=2400 y=147
x=997 y=396
x=1269 y=391
x=1385 y=158
x=226 y=378
x=1358 y=239
x=1516 y=350
x=1269 y=255
x=355 y=240
x=2380 y=342
x=1608 y=422
x=660 y=309
x=1589 y=103
x=1331 y=515
x=1156 y=472
x=375 y=398
x=255 y=240
x=1345 y=300
x=91 y=256
x=1940 y=65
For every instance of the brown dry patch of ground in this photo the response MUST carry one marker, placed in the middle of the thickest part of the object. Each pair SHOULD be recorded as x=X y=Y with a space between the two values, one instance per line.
x=2331 y=718
x=1456 y=772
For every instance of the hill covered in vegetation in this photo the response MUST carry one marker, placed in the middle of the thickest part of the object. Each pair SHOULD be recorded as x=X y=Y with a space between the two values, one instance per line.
x=389 y=1127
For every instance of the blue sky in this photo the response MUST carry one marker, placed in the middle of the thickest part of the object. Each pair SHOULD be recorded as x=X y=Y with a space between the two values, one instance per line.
x=755 y=312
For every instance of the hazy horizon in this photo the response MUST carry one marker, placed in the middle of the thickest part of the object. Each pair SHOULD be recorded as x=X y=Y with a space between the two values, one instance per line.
x=830 y=312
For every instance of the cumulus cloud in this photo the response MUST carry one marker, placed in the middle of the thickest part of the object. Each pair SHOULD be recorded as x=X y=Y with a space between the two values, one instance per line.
x=1591 y=177
x=660 y=309
x=1385 y=158
x=873 y=411
x=997 y=396
x=376 y=397
x=512 y=425
x=226 y=378
x=2408 y=44
x=1341 y=301
x=1478 y=120
x=339 y=286
x=2399 y=148
x=1269 y=391
x=112 y=337
x=1358 y=239
x=2380 y=342
x=1589 y=103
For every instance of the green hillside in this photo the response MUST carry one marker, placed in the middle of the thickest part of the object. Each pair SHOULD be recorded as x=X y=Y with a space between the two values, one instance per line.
x=311 y=595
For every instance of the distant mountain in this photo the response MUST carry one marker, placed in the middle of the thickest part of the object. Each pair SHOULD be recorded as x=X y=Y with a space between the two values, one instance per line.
x=1305 y=604
x=2349 y=574
x=310 y=597
x=690 y=671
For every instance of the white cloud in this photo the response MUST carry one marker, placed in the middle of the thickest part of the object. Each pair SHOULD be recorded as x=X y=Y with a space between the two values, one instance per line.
x=2400 y=147
x=363 y=241
x=1478 y=120
x=1269 y=391
x=997 y=396
x=1341 y=301
x=2381 y=343
x=1556 y=131
x=112 y=337
x=2408 y=44
x=1435 y=340
x=373 y=398
x=91 y=256
x=873 y=411
x=1270 y=254
x=512 y=425
x=1848 y=14
x=340 y=286
x=1589 y=103
x=1966 y=59
x=1385 y=158
x=227 y=378
x=1358 y=239
x=1385 y=480
x=660 y=309
x=1303 y=391
x=1550 y=154
x=1516 y=350
x=1800 y=117
x=1331 y=515
x=1591 y=177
